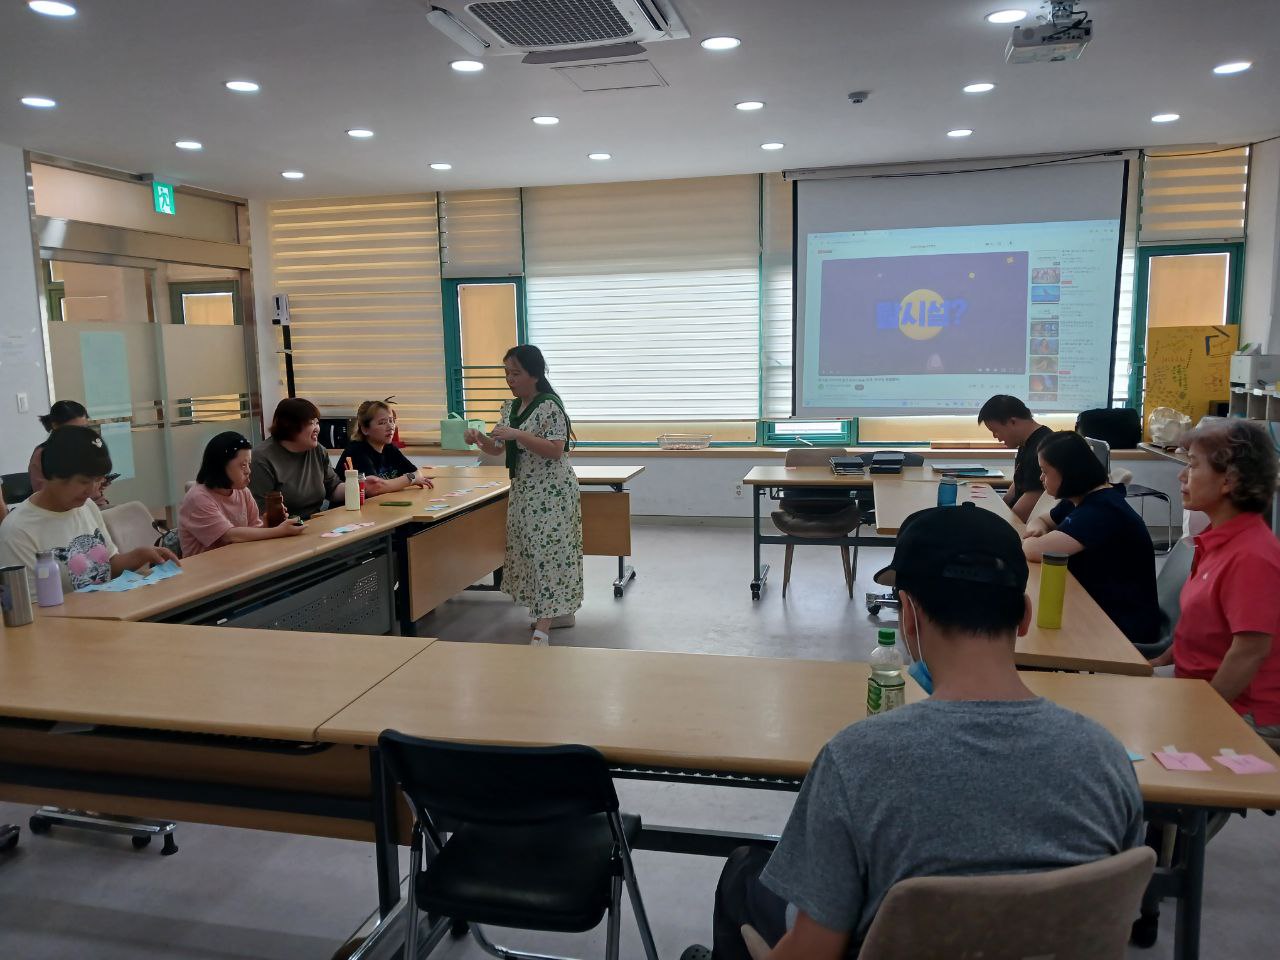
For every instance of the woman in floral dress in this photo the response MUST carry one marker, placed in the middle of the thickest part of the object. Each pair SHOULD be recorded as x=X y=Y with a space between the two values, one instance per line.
x=543 y=567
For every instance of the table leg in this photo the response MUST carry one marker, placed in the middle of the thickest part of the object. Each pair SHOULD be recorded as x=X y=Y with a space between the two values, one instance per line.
x=384 y=833
x=626 y=573
x=759 y=572
x=1186 y=936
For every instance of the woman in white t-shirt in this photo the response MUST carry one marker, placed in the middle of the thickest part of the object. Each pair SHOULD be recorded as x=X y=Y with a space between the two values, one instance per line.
x=61 y=517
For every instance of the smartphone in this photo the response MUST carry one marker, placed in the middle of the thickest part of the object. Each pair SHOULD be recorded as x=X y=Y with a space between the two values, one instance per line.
x=110 y=478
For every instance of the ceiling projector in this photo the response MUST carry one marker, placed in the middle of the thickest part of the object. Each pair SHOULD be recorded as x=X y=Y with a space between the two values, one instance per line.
x=1058 y=39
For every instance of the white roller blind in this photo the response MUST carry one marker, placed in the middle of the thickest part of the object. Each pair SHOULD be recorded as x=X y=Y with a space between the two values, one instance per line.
x=1194 y=197
x=480 y=233
x=645 y=297
x=363 y=279
x=776 y=267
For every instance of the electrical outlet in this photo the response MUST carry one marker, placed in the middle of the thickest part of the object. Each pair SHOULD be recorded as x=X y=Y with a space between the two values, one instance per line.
x=737 y=491
x=22 y=402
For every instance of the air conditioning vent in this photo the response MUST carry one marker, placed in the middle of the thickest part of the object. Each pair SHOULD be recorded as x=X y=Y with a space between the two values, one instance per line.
x=569 y=29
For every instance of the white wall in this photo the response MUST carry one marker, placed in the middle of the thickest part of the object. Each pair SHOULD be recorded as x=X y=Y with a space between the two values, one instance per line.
x=1260 y=317
x=22 y=359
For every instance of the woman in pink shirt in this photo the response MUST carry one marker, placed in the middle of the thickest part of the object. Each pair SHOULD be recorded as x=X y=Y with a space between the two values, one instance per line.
x=219 y=509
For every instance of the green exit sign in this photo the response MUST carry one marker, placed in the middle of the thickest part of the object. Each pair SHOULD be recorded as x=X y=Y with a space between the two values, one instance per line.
x=162 y=196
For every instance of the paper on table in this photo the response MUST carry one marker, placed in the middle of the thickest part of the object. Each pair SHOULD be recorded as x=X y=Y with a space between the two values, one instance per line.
x=1189 y=762
x=130 y=580
x=1245 y=763
x=347 y=528
x=1135 y=757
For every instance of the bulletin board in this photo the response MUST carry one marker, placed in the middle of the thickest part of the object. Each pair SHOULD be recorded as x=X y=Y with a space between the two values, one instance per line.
x=1188 y=368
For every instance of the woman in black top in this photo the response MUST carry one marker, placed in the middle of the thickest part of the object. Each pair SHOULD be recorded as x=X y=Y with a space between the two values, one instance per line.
x=372 y=453
x=1107 y=544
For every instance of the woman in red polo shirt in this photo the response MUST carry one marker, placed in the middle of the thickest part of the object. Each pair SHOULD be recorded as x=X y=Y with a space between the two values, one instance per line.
x=1228 y=631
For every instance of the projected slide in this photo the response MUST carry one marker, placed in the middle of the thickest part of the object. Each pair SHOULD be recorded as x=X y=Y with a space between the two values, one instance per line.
x=936 y=319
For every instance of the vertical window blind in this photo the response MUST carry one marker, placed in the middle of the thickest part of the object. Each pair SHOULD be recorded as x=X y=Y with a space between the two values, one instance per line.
x=363 y=279
x=645 y=297
x=480 y=234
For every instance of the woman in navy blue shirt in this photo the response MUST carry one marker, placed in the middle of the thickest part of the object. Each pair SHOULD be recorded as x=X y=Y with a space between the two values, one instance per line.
x=1107 y=544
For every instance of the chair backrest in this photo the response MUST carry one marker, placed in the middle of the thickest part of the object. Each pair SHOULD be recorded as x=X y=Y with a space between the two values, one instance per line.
x=16 y=487
x=487 y=784
x=811 y=456
x=130 y=525
x=1102 y=450
x=1169 y=582
x=1076 y=913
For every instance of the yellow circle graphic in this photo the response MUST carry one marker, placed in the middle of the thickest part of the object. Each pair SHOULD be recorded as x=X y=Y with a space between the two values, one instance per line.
x=914 y=311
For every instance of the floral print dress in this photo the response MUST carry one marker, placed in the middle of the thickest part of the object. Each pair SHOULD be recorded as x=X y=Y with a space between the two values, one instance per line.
x=543 y=568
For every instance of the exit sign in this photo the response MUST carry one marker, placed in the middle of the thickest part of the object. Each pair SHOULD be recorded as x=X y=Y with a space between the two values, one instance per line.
x=162 y=197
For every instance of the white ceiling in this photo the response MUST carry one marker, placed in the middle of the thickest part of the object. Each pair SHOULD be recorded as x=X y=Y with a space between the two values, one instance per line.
x=132 y=76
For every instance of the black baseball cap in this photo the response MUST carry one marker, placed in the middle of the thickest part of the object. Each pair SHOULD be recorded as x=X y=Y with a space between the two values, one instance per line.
x=958 y=543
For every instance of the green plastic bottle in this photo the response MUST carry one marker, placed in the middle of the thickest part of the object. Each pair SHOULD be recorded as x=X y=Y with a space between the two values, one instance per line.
x=886 y=688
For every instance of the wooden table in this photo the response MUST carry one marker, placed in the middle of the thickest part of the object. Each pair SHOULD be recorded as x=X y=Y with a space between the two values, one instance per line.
x=899 y=497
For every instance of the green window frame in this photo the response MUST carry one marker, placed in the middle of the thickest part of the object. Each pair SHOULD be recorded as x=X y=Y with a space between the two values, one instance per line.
x=781 y=433
x=195 y=287
x=1142 y=277
x=453 y=330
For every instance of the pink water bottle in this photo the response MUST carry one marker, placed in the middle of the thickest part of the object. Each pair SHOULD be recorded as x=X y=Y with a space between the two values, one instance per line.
x=48 y=580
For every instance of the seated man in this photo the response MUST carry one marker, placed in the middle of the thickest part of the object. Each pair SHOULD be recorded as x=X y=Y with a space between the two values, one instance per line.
x=1011 y=423
x=984 y=777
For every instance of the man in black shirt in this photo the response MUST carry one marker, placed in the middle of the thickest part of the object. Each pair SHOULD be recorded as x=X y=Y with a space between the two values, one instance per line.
x=1011 y=423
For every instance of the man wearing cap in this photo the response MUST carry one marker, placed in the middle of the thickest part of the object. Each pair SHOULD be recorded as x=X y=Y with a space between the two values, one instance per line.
x=983 y=777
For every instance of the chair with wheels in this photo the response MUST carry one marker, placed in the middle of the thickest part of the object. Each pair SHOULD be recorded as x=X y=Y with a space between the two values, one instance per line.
x=817 y=513
x=1134 y=491
x=1074 y=913
x=535 y=841
x=1169 y=581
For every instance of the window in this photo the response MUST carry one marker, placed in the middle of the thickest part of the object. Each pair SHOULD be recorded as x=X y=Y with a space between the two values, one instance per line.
x=645 y=298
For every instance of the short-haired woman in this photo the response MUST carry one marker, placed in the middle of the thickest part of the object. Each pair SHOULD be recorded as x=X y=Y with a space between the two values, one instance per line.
x=62 y=518
x=218 y=509
x=372 y=453
x=292 y=462
x=1231 y=600
x=543 y=568
x=64 y=413
x=1107 y=544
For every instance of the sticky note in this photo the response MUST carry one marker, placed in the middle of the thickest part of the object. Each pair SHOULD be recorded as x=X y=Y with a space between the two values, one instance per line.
x=1244 y=763
x=1135 y=757
x=1181 y=761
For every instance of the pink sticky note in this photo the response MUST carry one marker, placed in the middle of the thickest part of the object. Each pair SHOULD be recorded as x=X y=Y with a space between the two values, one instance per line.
x=1245 y=763
x=1181 y=761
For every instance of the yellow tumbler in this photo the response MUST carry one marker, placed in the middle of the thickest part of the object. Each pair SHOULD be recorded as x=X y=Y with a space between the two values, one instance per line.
x=1053 y=588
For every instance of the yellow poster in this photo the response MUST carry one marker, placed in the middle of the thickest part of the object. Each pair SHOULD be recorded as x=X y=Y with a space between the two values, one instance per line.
x=1188 y=368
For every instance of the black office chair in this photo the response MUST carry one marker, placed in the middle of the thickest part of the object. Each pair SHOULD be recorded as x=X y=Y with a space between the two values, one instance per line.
x=537 y=841
x=16 y=487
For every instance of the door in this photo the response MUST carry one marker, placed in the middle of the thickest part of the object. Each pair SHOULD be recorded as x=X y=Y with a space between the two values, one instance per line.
x=483 y=319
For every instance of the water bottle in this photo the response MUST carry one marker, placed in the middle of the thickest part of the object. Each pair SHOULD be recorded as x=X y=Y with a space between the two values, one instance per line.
x=947 y=491
x=886 y=688
x=351 y=491
x=48 y=580
x=1053 y=588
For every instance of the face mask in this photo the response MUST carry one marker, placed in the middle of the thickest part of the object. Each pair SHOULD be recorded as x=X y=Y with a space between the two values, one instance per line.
x=919 y=670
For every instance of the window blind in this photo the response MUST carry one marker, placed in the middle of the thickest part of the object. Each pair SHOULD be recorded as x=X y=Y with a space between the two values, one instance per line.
x=363 y=279
x=1194 y=197
x=480 y=233
x=645 y=297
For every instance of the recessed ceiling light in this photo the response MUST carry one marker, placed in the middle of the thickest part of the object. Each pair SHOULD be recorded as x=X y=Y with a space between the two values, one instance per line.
x=188 y=144
x=1006 y=16
x=599 y=156
x=292 y=174
x=546 y=121
x=467 y=66
x=721 y=43
x=242 y=86
x=750 y=105
x=442 y=166
x=772 y=145
x=960 y=132
x=51 y=8
x=1235 y=66
x=983 y=87
x=40 y=103
x=1165 y=117
x=360 y=133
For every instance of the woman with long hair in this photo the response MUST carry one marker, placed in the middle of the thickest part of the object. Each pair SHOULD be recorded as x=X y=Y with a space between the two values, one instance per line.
x=372 y=452
x=543 y=568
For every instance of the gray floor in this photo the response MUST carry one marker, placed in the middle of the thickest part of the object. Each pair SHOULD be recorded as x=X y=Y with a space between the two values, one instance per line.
x=243 y=894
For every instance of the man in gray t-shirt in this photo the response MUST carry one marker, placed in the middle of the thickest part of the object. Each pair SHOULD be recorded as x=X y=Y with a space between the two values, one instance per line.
x=984 y=777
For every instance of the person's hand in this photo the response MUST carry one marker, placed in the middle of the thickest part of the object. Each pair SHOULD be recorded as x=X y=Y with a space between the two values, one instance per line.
x=374 y=486
x=1031 y=533
x=504 y=432
x=425 y=482
x=472 y=436
x=143 y=556
x=291 y=527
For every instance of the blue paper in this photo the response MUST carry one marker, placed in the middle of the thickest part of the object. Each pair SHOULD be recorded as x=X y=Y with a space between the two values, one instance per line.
x=1135 y=757
x=104 y=358
x=130 y=580
x=119 y=440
